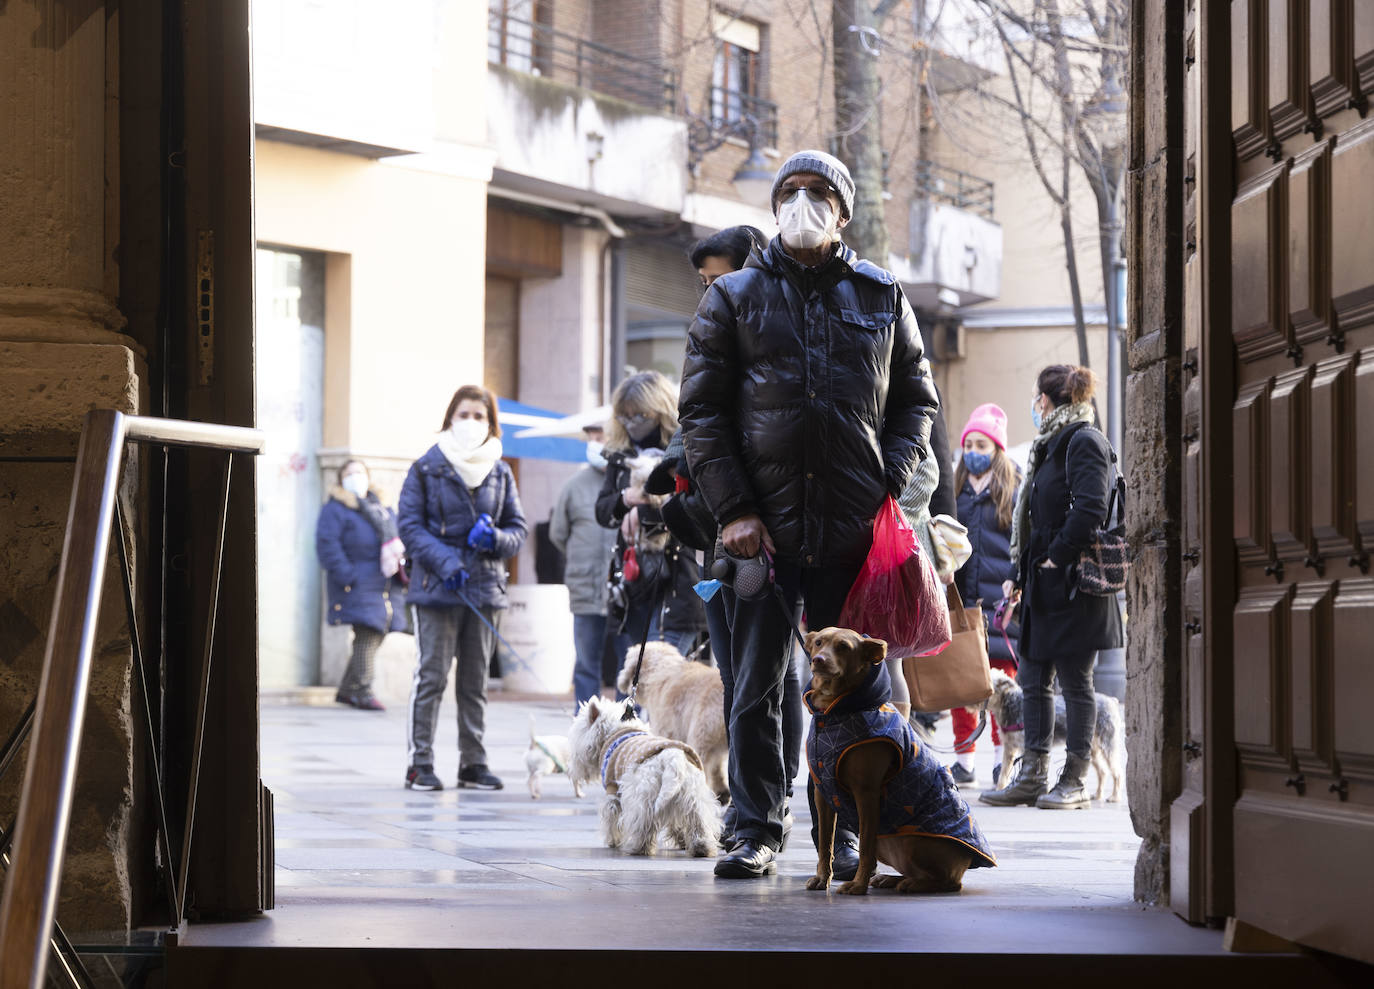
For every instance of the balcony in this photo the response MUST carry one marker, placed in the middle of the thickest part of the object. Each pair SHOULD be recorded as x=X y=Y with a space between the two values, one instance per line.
x=955 y=246
x=735 y=112
x=538 y=49
x=959 y=189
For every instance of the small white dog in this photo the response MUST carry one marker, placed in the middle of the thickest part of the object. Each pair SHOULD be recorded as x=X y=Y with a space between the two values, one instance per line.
x=546 y=755
x=653 y=784
x=683 y=700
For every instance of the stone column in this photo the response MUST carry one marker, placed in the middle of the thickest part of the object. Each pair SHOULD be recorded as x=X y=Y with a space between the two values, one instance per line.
x=62 y=353
x=1153 y=245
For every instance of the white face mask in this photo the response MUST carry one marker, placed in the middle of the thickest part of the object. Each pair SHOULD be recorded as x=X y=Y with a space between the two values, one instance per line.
x=594 y=455
x=806 y=225
x=356 y=485
x=469 y=434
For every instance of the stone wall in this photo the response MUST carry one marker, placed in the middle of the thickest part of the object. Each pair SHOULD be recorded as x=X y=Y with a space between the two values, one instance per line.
x=63 y=352
x=1154 y=660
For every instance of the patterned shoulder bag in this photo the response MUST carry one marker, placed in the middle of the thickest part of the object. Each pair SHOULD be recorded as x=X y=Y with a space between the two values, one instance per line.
x=1103 y=565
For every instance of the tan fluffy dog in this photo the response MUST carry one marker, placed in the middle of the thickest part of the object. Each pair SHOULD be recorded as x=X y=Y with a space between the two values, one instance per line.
x=683 y=700
x=846 y=668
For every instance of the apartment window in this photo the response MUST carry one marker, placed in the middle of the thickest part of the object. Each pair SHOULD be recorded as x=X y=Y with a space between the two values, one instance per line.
x=518 y=34
x=736 y=77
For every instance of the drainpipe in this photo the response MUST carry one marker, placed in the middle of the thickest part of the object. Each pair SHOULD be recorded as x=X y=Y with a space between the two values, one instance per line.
x=578 y=209
x=615 y=369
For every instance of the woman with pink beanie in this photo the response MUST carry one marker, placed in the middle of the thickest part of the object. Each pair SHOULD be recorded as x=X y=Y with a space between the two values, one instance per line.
x=985 y=483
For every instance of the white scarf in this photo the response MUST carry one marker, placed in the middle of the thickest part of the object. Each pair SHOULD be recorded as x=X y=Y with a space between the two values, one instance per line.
x=472 y=465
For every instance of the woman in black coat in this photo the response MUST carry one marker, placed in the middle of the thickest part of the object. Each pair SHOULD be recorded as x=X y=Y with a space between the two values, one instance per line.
x=1069 y=478
x=655 y=591
x=357 y=543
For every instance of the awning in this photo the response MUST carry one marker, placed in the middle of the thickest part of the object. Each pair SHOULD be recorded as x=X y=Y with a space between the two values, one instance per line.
x=567 y=425
x=518 y=419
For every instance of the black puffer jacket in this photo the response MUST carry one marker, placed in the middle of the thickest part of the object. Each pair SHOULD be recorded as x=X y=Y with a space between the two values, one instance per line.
x=802 y=400
x=1068 y=500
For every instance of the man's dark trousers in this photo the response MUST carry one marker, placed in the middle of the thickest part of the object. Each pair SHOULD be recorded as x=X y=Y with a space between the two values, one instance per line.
x=760 y=648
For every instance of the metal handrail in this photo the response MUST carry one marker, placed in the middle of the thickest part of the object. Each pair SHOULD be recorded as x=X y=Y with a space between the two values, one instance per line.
x=31 y=885
x=565 y=57
x=949 y=185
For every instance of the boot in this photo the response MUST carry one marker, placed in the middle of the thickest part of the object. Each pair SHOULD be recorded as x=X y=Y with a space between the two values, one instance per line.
x=1028 y=785
x=1068 y=793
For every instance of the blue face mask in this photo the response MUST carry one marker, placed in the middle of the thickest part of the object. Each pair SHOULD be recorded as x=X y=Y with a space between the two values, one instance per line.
x=1036 y=418
x=977 y=463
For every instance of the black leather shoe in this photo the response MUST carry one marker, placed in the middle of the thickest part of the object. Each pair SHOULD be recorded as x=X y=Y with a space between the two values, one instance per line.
x=844 y=864
x=749 y=859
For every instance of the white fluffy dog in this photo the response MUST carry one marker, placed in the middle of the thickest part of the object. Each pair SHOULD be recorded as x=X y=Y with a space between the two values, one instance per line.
x=683 y=700
x=546 y=755
x=653 y=784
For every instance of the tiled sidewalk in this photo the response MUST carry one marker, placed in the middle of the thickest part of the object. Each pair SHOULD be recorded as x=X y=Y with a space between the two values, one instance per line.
x=471 y=867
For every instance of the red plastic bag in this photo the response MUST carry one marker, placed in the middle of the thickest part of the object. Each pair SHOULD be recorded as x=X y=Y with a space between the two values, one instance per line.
x=897 y=596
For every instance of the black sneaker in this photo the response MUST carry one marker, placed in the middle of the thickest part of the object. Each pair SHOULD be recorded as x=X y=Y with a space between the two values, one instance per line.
x=478 y=777
x=960 y=774
x=422 y=778
x=748 y=859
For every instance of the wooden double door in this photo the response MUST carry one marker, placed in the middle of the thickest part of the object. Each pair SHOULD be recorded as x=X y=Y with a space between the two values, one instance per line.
x=1276 y=822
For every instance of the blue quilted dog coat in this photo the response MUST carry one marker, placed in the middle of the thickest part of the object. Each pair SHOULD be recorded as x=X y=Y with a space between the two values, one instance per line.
x=919 y=798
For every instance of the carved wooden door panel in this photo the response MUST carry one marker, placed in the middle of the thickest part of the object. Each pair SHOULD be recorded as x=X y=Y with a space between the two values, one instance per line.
x=1286 y=369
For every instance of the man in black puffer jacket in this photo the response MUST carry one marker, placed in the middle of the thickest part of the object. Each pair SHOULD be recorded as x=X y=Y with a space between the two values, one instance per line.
x=803 y=406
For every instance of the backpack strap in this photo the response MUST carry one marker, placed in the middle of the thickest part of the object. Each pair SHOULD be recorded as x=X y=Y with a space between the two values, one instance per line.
x=1116 y=501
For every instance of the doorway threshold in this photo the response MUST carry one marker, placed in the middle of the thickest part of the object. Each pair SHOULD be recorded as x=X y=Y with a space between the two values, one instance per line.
x=378 y=885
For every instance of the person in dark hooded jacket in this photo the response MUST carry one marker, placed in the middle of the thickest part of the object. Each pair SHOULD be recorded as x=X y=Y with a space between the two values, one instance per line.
x=803 y=407
x=461 y=520
x=358 y=545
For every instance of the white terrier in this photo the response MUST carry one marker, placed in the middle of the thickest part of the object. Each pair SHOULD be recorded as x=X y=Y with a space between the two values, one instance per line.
x=652 y=783
x=547 y=754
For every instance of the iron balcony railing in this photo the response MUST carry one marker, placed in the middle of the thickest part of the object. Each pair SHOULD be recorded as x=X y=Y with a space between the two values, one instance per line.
x=735 y=112
x=528 y=46
x=949 y=185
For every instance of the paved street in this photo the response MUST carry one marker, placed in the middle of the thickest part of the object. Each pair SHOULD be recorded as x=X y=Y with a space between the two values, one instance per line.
x=468 y=867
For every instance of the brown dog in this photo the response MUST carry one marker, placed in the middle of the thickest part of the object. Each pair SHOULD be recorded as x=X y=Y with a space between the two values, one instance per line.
x=866 y=762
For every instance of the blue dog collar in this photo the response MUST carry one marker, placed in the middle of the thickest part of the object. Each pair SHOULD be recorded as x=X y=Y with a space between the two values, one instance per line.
x=610 y=751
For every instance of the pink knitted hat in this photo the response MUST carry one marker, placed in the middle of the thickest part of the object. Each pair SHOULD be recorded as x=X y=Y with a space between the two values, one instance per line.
x=989 y=420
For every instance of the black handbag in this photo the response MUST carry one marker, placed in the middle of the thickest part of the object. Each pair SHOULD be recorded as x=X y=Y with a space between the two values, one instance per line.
x=1103 y=565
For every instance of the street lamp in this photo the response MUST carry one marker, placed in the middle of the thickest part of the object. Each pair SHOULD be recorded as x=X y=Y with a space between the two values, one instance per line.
x=753 y=180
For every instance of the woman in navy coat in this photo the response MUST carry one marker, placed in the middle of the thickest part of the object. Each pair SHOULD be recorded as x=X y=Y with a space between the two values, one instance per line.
x=461 y=519
x=357 y=543
x=986 y=481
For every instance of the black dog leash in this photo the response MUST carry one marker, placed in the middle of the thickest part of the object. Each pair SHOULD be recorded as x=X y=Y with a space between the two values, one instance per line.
x=659 y=595
x=973 y=736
